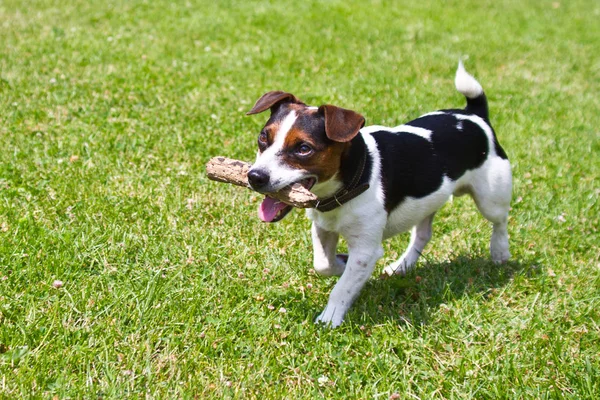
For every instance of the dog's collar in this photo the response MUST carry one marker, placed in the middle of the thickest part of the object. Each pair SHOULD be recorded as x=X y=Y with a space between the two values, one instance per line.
x=356 y=185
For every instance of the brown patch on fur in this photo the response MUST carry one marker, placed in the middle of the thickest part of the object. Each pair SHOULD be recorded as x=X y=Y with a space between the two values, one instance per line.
x=325 y=160
x=271 y=130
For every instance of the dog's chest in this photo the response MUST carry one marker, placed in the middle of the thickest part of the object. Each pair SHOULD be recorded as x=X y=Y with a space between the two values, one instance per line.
x=357 y=217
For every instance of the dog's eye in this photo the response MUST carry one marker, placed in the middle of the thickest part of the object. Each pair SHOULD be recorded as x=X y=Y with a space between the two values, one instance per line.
x=304 y=150
x=263 y=138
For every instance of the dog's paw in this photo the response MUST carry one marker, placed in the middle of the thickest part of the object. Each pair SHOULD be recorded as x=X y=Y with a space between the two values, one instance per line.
x=396 y=268
x=392 y=270
x=332 y=269
x=500 y=257
x=499 y=249
x=329 y=319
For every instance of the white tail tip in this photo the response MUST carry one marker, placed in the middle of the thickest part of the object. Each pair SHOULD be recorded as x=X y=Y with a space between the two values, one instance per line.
x=466 y=84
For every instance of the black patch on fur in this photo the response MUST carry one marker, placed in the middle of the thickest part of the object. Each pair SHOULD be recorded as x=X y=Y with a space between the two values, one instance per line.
x=350 y=162
x=459 y=150
x=313 y=123
x=417 y=166
x=411 y=164
x=478 y=106
x=499 y=150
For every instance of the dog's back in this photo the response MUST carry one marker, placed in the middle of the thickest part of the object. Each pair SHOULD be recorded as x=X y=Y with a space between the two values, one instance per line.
x=443 y=144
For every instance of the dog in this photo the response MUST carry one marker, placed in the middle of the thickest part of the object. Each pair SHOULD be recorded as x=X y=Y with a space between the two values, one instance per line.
x=375 y=182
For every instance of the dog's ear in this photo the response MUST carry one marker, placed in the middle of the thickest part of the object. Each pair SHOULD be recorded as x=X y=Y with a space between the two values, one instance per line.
x=271 y=100
x=341 y=125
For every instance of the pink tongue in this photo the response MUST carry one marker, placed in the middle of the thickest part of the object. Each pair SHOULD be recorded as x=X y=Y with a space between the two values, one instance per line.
x=268 y=209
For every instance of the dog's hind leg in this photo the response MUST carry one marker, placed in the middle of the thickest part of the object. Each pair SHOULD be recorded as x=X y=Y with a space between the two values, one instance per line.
x=493 y=201
x=419 y=237
x=497 y=214
x=499 y=242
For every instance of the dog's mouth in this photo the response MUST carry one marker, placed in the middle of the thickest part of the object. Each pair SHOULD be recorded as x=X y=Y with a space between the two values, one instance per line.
x=273 y=210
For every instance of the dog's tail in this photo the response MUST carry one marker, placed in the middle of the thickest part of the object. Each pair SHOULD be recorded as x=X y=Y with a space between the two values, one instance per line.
x=472 y=90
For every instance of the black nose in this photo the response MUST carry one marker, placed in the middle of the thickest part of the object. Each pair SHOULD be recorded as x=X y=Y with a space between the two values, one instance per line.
x=258 y=178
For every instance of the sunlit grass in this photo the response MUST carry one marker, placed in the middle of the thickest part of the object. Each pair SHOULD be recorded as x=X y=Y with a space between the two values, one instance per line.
x=172 y=288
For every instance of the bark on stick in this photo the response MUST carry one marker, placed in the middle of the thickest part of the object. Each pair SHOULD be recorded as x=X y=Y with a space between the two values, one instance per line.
x=222 y=169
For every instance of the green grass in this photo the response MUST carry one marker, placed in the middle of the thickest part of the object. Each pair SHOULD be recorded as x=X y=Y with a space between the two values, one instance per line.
x=172 y=286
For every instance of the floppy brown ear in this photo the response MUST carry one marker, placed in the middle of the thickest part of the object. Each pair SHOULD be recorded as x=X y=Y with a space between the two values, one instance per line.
x=270 y=99
x=341 y=125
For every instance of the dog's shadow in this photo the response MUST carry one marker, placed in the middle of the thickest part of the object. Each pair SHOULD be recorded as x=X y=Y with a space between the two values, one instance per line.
x=413 y=298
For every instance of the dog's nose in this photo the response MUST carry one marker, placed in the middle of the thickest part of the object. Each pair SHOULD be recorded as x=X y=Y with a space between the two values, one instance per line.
x=258 y=178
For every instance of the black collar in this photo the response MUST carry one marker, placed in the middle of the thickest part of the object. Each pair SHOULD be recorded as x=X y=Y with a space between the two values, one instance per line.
x=355 y=176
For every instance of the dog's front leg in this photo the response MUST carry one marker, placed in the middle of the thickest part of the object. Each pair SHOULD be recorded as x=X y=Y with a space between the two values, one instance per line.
x=325 y=260
x=360 y=265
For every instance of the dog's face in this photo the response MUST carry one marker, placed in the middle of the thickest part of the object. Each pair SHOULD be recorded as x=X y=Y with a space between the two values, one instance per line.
x=298 y=144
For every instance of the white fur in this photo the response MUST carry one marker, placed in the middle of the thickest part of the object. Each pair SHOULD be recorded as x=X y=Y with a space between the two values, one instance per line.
x=415 y=130
x=412 y=211
x=466 y=84
x=269 y=161
x=325 y=189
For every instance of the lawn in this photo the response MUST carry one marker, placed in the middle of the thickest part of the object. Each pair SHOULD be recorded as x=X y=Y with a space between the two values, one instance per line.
x=126 y=273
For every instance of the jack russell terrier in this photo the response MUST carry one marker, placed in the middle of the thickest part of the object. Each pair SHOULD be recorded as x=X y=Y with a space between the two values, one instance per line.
x=375 y=182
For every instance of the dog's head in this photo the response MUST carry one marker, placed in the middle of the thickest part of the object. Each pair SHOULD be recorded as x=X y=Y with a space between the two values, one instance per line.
x=298 y=144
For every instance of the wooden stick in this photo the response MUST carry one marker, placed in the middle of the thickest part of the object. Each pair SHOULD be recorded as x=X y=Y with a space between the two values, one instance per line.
x=222 y=169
